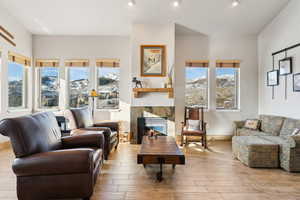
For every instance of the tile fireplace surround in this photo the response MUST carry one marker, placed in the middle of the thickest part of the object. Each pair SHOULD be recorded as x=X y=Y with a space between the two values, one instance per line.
x=167 y=112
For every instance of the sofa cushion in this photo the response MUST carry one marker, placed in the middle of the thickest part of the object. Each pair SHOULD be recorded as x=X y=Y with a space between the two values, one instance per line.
x=289 y=126
x=249 y=132
x=271 y=124
x=275 y=139
x=252 y=124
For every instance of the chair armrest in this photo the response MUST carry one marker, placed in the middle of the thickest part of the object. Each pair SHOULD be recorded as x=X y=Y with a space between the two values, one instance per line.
x=204 y=126
x=114 y=126
x=55 y=162
x=294 y=141
x=84 y=140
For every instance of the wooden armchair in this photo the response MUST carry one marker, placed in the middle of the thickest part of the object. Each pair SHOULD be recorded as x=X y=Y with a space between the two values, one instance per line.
x=194 y=125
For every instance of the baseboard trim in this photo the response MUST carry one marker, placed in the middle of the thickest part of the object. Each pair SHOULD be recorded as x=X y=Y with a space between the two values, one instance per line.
x=5 y=145
x=209 y=137
x=220 y=137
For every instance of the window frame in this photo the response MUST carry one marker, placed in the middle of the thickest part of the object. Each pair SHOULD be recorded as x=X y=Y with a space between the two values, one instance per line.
x=39 y=79
x=24 y=88
x=98 y=84
x=237 y=90
x=207 y=107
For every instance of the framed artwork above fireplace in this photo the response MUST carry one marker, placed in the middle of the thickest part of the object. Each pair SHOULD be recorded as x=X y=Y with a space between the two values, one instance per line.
x=153 y=60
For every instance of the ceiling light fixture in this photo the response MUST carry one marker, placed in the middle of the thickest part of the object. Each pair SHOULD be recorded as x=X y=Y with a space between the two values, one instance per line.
x=176 y=3
x=131 y=3
x=235 y=3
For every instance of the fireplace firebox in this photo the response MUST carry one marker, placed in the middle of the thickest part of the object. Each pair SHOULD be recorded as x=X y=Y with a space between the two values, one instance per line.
x=159 y=125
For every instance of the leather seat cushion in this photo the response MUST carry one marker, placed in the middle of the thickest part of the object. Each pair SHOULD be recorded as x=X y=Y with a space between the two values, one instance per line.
x=192 y=132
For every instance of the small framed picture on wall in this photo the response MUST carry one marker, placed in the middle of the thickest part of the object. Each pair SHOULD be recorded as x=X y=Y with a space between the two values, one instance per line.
x=286 y=66
x=296 y=82
x=273 y=78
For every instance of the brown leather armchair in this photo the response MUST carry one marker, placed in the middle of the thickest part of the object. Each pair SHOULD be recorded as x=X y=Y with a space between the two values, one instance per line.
x=81 y=120
x=49 y=166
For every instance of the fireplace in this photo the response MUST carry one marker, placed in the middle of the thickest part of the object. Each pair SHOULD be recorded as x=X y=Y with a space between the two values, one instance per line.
x=158 y=125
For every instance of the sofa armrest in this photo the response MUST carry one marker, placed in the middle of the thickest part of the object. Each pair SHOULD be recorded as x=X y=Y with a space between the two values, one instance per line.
x=84 y=140
x=237 y=125
x=55 y=162
x=114 y=126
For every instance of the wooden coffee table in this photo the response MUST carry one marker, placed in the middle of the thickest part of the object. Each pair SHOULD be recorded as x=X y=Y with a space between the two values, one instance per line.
x=160 y=150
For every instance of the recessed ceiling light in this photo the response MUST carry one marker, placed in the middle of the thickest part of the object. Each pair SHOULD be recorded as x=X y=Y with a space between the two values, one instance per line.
x=235 y=3
x=176 y=3
x=131 y=3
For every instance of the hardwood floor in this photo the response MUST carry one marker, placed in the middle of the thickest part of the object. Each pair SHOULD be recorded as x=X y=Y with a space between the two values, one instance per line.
x=209 y=175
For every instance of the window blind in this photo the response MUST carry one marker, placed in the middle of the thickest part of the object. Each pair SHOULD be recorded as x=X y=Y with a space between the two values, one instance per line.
x=77 y=63
x=108 y=62
x=197 y=63
x=46 y=63
x=13 y=57
x=228 y=63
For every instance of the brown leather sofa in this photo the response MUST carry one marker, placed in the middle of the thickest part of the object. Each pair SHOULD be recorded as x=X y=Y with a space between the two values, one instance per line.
x=49 y=166
x=81 y=120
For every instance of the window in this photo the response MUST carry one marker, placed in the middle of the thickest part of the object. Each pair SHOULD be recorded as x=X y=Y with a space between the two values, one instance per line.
x=196 y=84
x=227 y=91
x=78 y=83
x=17 y=81
x=108 y=76
x=49 y=83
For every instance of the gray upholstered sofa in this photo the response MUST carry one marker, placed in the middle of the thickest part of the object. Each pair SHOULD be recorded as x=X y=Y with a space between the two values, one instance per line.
x=258 y=148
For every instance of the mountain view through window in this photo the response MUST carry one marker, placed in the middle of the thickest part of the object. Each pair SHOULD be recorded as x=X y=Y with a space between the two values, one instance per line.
x=108 y=88
x=16 y=85
x=49 y=87
x=196 y=90
x=78 y=87
x=227 y=88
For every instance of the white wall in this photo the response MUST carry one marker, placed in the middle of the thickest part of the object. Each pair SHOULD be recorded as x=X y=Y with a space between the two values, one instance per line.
x=151 y=34
x=92 y=48
x=244 y=48
x=23 y=39
x=282 y=32
x=215 y=47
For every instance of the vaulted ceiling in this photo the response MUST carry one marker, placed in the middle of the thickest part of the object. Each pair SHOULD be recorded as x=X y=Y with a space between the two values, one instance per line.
x=114 y=17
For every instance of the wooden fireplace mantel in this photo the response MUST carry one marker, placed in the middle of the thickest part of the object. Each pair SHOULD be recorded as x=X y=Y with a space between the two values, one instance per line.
x=138 y=91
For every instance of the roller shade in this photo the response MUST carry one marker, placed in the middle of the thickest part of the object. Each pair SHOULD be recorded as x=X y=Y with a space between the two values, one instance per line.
x=46 y=63
x=13 y=57
x=108 y=62
x=228 y=63
x=77 y=63
x=197 y=63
